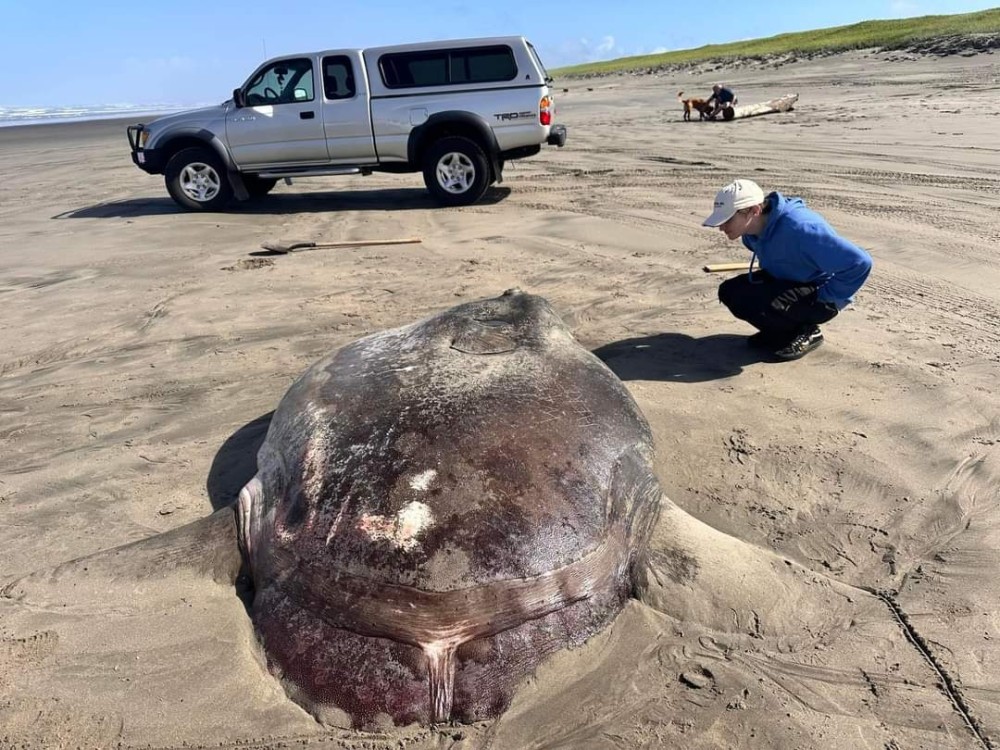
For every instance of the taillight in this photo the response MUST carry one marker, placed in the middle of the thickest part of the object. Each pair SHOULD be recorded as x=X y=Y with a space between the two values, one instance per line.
x=545 y=109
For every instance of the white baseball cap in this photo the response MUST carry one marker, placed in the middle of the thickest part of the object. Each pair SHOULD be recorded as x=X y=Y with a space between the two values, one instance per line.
x=734 y=196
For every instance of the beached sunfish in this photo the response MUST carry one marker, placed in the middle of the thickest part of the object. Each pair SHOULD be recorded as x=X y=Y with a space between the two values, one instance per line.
x=439 y=507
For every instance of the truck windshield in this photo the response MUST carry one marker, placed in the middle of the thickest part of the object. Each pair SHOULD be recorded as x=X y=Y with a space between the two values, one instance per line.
x=538 y=60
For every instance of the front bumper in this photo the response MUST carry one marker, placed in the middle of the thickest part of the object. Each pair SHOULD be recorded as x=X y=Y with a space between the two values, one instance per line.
x=557 y=136
x=147 y=159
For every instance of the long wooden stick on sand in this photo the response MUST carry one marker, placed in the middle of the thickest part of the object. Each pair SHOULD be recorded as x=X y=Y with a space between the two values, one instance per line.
x=717 y=267
x=293 y=245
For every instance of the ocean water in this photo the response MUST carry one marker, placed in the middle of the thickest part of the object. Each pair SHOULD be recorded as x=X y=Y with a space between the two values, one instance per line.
x=36 y=115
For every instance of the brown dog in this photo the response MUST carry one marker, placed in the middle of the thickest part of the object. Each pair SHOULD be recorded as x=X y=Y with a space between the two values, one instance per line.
x=702 y=105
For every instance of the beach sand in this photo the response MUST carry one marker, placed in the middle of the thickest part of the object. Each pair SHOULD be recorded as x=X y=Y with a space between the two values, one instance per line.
x=144 y=349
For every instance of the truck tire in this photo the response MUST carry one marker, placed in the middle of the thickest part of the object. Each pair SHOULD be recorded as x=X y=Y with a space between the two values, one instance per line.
x=196 y=180
x=456 y=171
x=258 y=187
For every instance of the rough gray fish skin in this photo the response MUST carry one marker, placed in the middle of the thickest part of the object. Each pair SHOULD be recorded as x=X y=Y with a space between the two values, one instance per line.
x=439 y=507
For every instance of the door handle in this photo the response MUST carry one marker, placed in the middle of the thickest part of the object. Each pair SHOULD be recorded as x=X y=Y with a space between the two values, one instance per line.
x=307 y=115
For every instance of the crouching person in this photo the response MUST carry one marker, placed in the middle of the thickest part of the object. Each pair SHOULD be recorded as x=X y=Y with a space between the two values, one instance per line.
x=721 y=98
x=808 y=273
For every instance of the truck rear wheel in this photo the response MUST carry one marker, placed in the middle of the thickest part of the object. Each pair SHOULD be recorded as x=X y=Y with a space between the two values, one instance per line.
x=456 y=171
x=196 y=180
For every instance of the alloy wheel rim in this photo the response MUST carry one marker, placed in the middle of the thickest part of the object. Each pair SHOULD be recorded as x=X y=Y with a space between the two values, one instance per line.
x=200 y=182
x=455 y=172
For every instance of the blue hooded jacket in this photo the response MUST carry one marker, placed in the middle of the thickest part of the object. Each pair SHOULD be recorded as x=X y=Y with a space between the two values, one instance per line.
x=798 y=245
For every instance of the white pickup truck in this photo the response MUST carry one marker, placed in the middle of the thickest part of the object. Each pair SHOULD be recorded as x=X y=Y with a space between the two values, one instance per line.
x=454 y=110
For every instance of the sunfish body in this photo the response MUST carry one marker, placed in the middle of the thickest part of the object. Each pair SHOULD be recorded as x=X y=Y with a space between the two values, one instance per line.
x=439 y=507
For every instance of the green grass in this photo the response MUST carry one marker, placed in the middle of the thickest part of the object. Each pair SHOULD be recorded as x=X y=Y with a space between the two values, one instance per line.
x=889 y=34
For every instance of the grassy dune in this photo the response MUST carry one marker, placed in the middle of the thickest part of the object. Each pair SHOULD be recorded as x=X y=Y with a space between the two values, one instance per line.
x=887 y=34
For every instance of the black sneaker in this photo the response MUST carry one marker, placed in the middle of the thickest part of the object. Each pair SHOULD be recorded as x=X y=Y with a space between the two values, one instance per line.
x=801 y=345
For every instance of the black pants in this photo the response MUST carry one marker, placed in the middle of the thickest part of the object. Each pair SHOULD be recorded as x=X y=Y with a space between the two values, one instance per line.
x=779 y=308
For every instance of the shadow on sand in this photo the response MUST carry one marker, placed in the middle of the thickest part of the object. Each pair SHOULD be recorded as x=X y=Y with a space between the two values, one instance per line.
x=236 y=462
x=676 y=357
x=405 y=199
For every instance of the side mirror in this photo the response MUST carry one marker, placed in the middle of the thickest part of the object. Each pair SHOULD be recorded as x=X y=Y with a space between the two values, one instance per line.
x=300 y=95
x=239 y=98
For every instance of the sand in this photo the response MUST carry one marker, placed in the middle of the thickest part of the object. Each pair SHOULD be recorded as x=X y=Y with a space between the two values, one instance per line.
x=852 y=495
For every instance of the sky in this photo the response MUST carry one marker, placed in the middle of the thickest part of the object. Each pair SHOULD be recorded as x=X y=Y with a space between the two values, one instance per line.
x=190 y=52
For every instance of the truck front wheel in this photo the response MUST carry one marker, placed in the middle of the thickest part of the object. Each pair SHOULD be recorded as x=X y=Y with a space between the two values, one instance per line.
x=456 y=171
x=196 y=180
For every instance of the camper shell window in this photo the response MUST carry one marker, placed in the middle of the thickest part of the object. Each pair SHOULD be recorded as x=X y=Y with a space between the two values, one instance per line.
x=448 y=67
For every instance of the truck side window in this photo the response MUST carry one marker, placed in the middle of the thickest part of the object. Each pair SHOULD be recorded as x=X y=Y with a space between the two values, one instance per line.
x=448 y=67
x=283 y=82
x=483 y=66
x=338 y=77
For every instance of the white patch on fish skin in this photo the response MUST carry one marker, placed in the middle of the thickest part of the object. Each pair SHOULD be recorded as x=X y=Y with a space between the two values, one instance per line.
x=249 y=505
x=315 y=463
x=336 y=524
x=423 y=480
x=283 y=534
x=402 y=529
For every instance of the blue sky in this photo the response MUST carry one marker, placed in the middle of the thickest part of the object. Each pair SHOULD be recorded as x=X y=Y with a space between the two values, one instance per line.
x=186 y=52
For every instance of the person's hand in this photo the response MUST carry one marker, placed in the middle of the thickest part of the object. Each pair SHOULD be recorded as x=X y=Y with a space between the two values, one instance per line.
x=797 y=295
